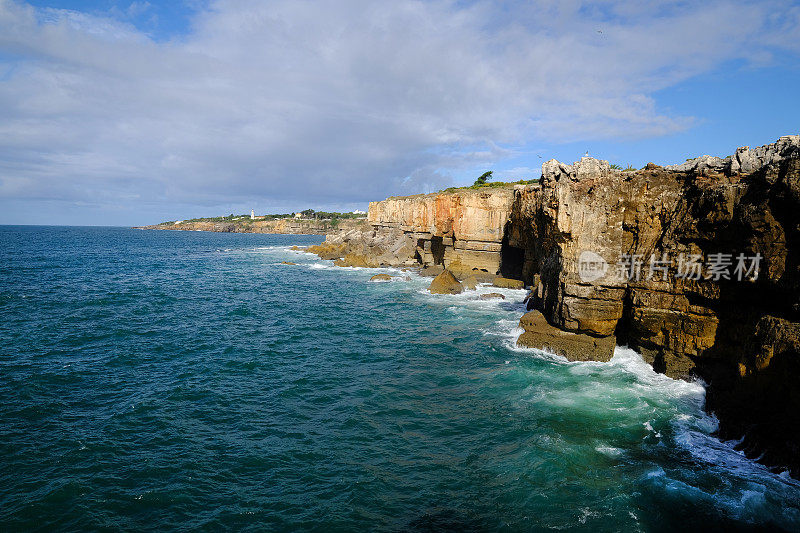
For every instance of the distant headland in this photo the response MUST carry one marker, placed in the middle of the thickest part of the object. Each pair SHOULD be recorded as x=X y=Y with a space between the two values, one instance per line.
x=307 y=222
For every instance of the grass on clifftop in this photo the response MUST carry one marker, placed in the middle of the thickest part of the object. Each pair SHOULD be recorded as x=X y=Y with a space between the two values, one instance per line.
x=490 y=185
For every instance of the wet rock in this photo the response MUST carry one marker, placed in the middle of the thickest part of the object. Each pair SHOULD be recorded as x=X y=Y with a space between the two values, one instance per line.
x=574 y=346
x=506 y=283
x=381 y=277
x=431 y=271
x=328 y=250
x=287 y=263
x=492 y=296
x=445 y=283
x=356 y=260
x=470 y=283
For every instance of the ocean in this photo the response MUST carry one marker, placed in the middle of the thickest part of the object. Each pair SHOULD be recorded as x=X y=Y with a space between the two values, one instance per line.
x=166 y=380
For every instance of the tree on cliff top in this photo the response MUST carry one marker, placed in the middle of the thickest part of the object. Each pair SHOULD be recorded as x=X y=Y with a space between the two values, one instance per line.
x=486 y=176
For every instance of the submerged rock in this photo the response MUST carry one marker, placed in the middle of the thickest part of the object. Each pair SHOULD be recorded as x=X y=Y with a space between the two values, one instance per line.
x=445 y=283
x=381 y=277
x=287 y=263
x=574 y=346
x=492 y=295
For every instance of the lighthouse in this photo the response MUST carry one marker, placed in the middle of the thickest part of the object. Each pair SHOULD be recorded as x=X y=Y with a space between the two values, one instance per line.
x=252 y=214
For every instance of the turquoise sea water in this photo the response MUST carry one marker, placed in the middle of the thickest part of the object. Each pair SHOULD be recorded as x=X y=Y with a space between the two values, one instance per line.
x=184 y=380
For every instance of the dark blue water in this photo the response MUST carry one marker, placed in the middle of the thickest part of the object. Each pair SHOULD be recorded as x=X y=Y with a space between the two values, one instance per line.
x=181 y=380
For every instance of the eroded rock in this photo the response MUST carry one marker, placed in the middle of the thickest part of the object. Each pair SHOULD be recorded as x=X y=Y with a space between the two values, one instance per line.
x=328 y=250
x=574 y=346
x=431 y=271
x=492 y=296
x=356 y=260
x=506 y=283
x=470 y=283
x=445 y=283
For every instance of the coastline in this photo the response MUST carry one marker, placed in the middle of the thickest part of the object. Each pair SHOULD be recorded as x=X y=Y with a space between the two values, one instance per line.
x=281 y=226
x=737 y=328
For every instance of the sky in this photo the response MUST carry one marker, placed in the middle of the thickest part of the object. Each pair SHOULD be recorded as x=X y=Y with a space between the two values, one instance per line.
x=124 y=113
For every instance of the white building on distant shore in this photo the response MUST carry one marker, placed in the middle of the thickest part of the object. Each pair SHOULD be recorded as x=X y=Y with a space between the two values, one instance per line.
x=252 y=214
x=359 y=212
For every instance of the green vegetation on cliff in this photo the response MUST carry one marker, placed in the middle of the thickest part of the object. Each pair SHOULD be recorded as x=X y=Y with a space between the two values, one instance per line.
x=308 y=214
x=490 y=185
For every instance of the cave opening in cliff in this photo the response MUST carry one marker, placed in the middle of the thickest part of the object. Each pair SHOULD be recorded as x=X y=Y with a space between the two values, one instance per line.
x=512 y=260
x=437 y=250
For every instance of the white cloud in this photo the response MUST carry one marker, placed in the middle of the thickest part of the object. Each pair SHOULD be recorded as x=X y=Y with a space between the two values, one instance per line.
x=338 y=102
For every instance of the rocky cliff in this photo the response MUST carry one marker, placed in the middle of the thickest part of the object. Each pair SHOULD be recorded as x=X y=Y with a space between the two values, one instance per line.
x=280 y=225
x=463 y=230
x=697 y=266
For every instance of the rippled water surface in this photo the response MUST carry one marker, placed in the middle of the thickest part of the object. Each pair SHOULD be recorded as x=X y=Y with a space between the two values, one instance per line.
x=186 y=380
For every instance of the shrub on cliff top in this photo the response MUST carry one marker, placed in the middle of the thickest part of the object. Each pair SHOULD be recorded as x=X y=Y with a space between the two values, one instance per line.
x=483 y=178
x=490 y=185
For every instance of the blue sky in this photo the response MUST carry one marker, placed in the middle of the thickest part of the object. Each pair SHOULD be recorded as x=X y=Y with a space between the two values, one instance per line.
x=161 y=21
x=125 y=113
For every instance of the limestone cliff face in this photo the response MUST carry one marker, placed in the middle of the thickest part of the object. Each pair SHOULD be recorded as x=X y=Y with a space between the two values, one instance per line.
x=462 y=230
x=646 y=226
x=609 y=252
x=477 y=216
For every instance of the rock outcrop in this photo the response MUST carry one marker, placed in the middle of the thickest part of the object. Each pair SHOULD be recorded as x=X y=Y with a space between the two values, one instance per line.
x=470 y=283
x=462 y=231
x=328 y=250
x=492 y=296
x=506 y=283
x=445 y=283
x=573 y=346
x=696 y=266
